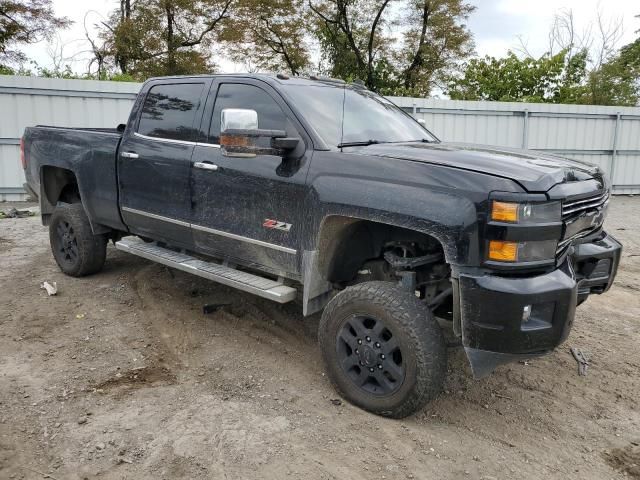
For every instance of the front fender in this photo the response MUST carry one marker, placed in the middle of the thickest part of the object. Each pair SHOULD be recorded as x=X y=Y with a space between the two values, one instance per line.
x=450 y=218
x=443 y=202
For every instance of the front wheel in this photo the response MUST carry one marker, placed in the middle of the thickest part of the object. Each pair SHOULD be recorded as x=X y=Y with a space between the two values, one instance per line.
x=78 y=252
x=382 y=348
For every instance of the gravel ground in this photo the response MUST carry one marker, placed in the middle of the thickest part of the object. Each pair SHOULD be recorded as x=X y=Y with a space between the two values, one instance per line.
x=121 y=375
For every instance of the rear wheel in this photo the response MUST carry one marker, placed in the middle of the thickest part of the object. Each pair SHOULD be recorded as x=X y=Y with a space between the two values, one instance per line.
x=382 y=349
x=77 y=251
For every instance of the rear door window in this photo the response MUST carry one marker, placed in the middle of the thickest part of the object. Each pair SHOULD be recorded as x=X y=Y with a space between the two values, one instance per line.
x=169 y=111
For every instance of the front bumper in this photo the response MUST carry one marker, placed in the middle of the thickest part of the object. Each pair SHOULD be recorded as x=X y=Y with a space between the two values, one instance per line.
x=503 y=319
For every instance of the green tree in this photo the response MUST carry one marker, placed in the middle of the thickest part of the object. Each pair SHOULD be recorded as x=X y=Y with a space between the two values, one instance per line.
x=274 y=36
x=629 y=58
x=553 y=79
x=617 y=82
x=583 y=71
x=167 y=37
x=550 y=78
x=435 y=40
x=357 y=41
x=25 y=22
x=119 y=39
x=351 y=35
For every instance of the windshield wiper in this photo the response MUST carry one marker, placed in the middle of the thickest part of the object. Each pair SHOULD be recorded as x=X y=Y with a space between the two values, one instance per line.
x=363 y=143
x=421 y=140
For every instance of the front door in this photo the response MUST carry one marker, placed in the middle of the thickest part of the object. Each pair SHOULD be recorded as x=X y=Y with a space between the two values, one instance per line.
x=155 y=160
x=248 y=209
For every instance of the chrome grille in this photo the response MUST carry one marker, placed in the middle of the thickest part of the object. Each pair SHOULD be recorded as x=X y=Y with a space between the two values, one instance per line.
x=577 y=225
x=562 y=245
x=573 y=208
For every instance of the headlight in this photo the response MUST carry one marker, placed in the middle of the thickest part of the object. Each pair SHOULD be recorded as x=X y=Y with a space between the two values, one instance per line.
x=525 y=213
x=532 y=241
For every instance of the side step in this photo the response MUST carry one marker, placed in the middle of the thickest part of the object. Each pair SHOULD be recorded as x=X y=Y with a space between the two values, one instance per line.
x=263 y=287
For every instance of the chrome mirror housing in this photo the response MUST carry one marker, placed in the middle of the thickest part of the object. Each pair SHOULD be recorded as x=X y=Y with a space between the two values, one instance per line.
x=238 y=119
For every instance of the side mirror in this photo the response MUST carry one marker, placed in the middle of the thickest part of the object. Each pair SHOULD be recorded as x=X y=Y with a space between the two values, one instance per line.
x=238 y=118
x=239 y=135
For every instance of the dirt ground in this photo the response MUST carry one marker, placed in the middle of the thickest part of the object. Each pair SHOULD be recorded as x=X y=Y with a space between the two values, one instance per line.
x=122 y=376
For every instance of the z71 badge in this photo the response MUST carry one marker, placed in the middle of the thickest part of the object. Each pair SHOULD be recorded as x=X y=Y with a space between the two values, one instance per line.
x=277 y=225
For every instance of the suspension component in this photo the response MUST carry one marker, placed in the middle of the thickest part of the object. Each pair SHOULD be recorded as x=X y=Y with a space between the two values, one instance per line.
x=396 y=261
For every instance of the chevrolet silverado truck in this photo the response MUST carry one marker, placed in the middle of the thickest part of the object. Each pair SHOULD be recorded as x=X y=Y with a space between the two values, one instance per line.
x=315 y=189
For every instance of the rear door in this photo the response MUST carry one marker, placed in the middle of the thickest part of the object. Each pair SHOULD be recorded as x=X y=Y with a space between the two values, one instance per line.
x=249 y=208
x=155 y=159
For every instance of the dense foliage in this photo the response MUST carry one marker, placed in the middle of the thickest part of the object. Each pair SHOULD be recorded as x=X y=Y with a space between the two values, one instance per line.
x=569 y=76
x=23 y=22
x=357 y=42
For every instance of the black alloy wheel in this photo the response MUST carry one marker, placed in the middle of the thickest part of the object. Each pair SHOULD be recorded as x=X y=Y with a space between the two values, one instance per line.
x=67 y=243
x=370 y=355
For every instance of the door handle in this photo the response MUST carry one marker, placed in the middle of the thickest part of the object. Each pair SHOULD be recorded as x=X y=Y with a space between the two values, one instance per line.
x=206 y=166
x=129 y=155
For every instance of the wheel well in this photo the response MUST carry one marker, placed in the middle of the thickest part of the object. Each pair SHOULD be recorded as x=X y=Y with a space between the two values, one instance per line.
x=59 y=185
x=56 y=185
x=353 y=251
x=346 y=244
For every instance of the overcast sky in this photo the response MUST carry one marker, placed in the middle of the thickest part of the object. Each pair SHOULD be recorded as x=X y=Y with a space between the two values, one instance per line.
x=496 y=25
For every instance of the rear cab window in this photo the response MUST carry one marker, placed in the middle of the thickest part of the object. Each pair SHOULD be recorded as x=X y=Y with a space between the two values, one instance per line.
x=169 y=111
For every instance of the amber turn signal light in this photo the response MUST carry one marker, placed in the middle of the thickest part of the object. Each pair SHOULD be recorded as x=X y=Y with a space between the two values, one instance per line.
x=504 y=211
x=503 y=251
x=227 y=140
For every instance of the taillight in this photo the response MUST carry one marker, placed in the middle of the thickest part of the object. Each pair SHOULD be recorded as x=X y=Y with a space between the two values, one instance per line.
x=23 y=160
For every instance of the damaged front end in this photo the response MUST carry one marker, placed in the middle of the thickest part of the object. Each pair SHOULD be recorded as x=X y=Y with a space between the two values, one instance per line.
x=505 y=314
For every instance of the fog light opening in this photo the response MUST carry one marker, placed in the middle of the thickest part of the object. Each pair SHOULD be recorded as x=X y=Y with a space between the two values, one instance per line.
x=526 y=313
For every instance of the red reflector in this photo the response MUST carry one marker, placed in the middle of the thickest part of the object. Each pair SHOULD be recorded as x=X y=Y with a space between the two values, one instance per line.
x=23 y=160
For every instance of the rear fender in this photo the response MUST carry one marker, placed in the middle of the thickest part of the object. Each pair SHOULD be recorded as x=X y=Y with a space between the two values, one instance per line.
x=85 y=158
x=54 y=181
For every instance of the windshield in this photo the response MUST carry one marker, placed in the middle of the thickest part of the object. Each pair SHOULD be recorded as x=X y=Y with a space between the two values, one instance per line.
x=344 y=116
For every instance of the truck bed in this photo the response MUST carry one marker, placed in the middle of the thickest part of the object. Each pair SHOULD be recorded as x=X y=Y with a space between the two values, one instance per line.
x=90 y=153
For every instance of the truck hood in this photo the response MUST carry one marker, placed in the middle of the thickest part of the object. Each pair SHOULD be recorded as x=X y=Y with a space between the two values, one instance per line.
x=534 y=171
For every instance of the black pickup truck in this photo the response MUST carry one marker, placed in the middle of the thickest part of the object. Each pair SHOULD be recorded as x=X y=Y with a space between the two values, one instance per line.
x=321 y=190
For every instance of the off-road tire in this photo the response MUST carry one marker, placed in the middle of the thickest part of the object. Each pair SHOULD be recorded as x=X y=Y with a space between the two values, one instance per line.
x=90 y=250
x=417 y=333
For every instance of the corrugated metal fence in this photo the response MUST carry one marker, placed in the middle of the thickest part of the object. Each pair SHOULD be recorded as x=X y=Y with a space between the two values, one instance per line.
x=607 y=136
